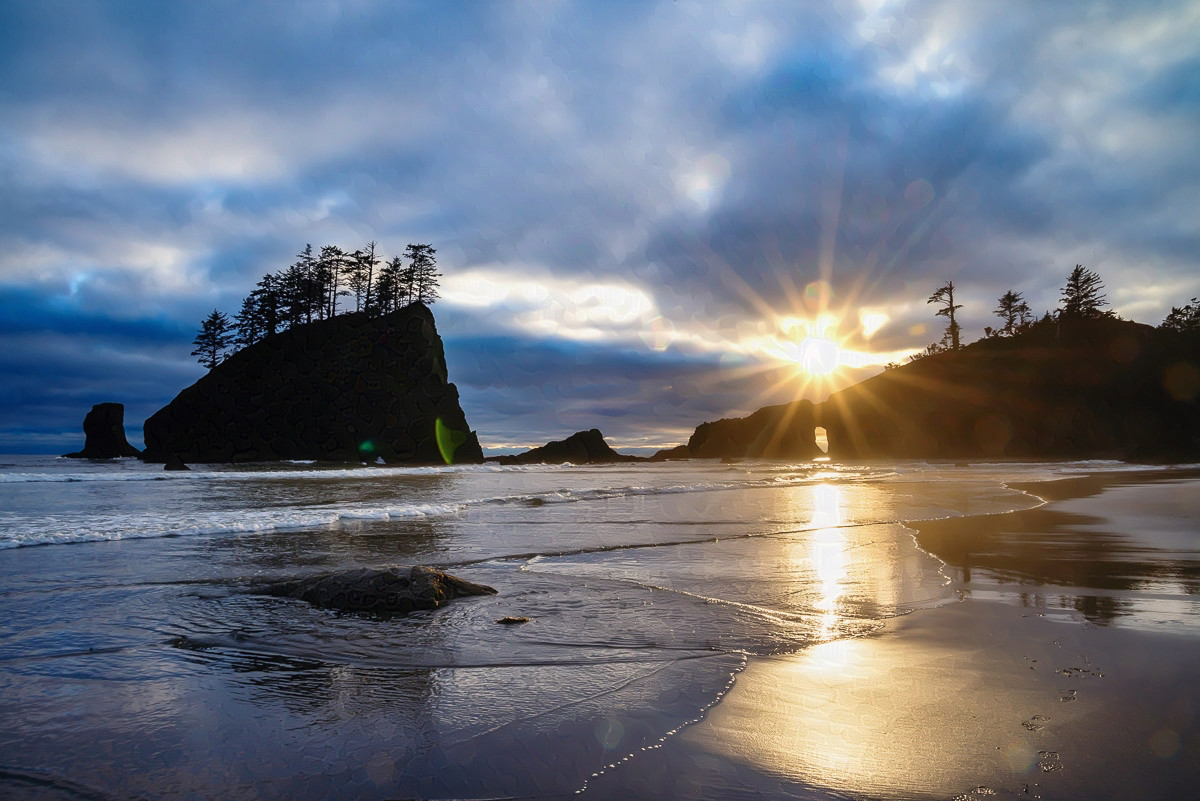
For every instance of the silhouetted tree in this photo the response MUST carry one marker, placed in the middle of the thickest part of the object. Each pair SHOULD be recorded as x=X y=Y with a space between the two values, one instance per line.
x=212 y=340
x=295 y=295
x=267 y=304
x=424 y=282
x=362 y=275
x=1185 y=320
x=308 y=287
x=1081 y=296
x=248 y=323
x=944 y=295
x=330 y=266
x=1014 y=311
x=388 y=287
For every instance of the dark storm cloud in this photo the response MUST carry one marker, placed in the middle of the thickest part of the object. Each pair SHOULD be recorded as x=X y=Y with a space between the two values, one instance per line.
x=706 y=161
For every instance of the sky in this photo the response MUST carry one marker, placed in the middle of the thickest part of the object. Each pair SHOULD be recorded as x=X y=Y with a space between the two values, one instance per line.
x=647 y=214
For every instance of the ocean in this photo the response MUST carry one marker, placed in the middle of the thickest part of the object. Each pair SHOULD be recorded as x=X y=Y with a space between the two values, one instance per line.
x=134 y=664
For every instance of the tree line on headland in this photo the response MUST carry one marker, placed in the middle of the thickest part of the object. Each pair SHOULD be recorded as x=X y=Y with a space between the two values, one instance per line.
x=1082 y=299
x=309 y=289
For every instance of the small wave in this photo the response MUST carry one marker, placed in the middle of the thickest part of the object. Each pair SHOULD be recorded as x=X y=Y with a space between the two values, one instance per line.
x=101 y=528
x=154 y=473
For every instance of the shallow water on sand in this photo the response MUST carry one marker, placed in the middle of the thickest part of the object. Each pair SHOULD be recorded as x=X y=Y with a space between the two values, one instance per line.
x=133 y=664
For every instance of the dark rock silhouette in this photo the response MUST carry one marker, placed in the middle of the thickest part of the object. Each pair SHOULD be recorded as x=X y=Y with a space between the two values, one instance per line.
x=773 y=432
x=348 y=388
x=385 y=591
x=1099 y=388
x=582 y=447
x=1093 y=388
x=175 y=463
x=104 y=434
x=671 y=454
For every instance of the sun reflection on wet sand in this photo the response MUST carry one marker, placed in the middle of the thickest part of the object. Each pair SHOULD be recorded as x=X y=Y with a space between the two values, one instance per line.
x=888 y=716
x=828 y=556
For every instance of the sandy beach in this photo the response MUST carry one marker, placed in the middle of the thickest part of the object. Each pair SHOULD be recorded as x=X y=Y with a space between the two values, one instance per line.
x=1070 y=669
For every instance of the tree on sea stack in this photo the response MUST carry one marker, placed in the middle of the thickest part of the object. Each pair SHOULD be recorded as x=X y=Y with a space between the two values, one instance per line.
x=424 y=275
x=1185 y=320
x=944 y=295
x=1081 y=296
x=1014 y=311
x=216 y=334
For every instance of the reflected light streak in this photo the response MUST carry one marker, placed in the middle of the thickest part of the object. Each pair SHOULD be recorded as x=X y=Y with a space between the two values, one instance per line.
x=828 y=556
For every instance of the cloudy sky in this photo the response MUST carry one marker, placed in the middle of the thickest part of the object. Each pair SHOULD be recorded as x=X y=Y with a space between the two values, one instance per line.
x=641 y=209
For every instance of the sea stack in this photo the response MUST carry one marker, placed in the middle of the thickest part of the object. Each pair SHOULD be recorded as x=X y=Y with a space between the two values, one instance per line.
x=582 y=447
x=104 y=434
x=350 y=388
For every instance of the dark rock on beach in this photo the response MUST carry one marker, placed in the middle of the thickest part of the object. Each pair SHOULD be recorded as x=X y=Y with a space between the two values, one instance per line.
x=582 y=447
x=350 y=388
x=104 y=434
x=385 y=591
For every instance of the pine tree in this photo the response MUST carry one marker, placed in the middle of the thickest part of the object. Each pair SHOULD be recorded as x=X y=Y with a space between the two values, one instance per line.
x=267 y=304
x=1081 y=296
x=309 y=289
x=424 y=273
x=1185 y=320
x=248 y=323
x=369 y=261
x=212 y=340
x=330 y=267
x=386 y=297
x=1014 y=311
x=945 y=296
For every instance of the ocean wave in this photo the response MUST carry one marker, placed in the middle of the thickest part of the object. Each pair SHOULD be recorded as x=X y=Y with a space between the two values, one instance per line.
x=54 y=530
x=152 y=473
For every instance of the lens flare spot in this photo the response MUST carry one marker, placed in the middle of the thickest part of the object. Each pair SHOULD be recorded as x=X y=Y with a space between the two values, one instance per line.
x=817 y=295
x=448 y=440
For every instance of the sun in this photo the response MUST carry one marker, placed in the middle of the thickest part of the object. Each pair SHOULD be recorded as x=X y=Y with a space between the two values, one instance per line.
x=818 y=355
x=810 y=344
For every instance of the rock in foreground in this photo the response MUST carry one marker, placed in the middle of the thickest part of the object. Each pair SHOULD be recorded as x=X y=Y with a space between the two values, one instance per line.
x=104 y=432
x=385 y=592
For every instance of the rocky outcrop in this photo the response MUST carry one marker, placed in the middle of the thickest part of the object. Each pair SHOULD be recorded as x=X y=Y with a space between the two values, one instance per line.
x=773 y=432
x=104 y=434
x=349 y=388
x=582 y=447
x=1103 y=388
x=671 y=454
x=386 y=591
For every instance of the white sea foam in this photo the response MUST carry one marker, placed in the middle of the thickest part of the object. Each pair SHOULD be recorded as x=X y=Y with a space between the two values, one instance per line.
x=64 y=529
x=152 y=474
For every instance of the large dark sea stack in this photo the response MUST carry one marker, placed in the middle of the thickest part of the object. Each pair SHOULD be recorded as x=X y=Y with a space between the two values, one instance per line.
x=582 y=447
x=104 y=434
x=786 y=431
x=1101 y=388
x=384 y=591
x=349 y=388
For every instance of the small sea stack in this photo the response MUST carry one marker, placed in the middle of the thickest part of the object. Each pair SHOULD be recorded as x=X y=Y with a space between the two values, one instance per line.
x=582 y=447
x=104 y=434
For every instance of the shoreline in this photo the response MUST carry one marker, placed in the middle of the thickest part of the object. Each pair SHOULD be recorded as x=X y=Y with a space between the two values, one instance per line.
x=995 y=695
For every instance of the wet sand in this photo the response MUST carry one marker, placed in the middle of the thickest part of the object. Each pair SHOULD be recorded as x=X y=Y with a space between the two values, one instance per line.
x=1070 y=669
